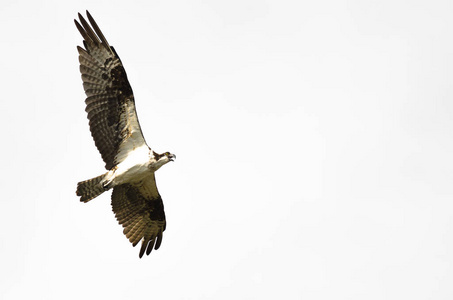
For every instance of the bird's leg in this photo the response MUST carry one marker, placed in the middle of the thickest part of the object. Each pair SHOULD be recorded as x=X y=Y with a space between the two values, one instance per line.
x=107 y=182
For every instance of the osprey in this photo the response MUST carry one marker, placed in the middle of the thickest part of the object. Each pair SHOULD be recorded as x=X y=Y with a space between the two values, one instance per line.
x=114 y=125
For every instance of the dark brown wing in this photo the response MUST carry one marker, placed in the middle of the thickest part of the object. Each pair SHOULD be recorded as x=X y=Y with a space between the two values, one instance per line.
x=139 y=208
x=110 y=101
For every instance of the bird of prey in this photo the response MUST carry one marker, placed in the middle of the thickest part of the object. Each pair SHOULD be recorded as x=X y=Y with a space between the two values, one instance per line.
x=114 y=126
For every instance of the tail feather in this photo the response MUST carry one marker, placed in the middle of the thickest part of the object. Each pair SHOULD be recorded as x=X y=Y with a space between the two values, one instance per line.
x=90 y=189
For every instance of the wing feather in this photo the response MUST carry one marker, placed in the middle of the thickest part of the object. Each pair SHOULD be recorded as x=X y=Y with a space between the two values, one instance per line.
x=110 y=103
x=140 y=210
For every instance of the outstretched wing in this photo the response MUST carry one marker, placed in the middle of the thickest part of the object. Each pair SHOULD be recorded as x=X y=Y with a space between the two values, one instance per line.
x=140 y=210
x=110 y=102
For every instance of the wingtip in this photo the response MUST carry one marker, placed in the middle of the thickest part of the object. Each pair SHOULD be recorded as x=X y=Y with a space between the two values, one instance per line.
x=143 y=248
x=158 y=241
x=150 y=247
x=77 y=24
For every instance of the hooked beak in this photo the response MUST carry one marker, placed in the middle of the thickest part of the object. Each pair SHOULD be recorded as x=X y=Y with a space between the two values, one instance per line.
x=172 y=157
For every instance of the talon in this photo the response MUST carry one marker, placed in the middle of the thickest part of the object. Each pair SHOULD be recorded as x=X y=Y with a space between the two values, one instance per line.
x=107 y=185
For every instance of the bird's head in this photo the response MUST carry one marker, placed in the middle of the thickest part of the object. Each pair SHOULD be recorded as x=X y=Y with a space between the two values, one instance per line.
x=162 y=159
x=169 y=156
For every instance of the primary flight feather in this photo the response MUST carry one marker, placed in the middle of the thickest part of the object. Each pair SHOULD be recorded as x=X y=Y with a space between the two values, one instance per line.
x=116 y=131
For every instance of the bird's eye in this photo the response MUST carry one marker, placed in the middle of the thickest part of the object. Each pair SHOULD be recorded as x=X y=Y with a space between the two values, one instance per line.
x=167 y=153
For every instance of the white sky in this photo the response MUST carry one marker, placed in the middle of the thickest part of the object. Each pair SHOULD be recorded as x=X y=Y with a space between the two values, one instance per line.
x=314 y=145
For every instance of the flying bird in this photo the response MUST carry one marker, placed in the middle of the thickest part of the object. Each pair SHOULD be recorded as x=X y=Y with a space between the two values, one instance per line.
x=114 y=126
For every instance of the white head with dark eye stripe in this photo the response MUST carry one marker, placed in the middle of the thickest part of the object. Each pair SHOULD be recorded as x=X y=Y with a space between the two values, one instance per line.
x=171 y=157
x=158 y=160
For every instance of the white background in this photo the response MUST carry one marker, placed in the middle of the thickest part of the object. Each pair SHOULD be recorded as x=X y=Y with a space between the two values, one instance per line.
x=314 y=145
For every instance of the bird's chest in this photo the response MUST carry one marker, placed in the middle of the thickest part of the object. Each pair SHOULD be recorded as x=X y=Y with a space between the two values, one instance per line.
x=133 y=169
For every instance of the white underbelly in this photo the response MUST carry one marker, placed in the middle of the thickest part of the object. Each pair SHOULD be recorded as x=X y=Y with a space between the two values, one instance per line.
x=134 y=168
